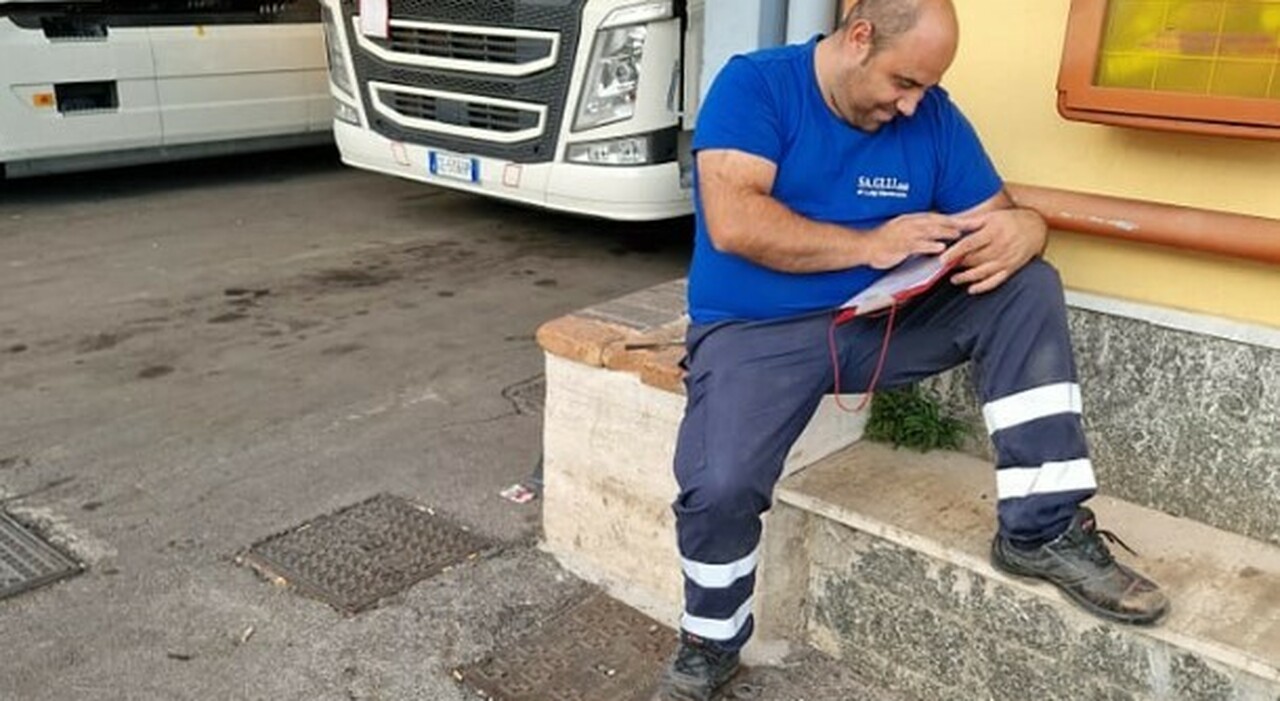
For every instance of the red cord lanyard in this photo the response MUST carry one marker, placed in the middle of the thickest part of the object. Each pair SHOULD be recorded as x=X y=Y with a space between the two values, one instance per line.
x=841 y=318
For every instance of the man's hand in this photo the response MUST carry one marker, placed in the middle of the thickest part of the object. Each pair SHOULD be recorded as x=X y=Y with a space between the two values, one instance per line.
x=913 y=234
x=1000 y=242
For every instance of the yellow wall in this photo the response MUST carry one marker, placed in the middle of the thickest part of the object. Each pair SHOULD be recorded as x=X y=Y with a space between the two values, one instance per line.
x=1005 y=79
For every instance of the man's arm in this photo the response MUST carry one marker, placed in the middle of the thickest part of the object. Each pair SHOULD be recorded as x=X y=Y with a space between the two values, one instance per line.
x=1004 y=239
x=744 y=219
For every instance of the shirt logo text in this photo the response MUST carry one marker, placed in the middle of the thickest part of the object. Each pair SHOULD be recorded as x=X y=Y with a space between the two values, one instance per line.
x=883 y=187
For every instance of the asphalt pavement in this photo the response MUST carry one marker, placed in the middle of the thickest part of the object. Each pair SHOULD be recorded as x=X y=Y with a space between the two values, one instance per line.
x=197 y=356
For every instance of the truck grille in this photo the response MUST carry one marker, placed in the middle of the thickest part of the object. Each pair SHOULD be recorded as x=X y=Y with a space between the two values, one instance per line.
x=465 y=114
x=501 y=51
x=465 y=46
x=487 y=119
x=483 y=77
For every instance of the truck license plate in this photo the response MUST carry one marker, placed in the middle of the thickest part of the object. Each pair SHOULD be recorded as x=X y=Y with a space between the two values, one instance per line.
x=454 y=167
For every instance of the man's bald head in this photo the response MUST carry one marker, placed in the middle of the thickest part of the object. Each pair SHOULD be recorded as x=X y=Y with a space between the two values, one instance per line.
x=893 y=18
x=888 y=54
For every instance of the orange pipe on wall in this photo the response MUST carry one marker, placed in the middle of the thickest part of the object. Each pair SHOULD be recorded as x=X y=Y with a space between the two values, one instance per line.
x=1221 y=233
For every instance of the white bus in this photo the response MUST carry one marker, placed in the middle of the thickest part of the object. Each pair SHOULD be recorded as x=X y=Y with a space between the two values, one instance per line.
x=103 y=83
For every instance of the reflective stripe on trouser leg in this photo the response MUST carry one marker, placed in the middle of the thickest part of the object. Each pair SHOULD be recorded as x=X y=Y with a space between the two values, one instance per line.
x=1042 y=473
x=751 y=390
x=1032 y=409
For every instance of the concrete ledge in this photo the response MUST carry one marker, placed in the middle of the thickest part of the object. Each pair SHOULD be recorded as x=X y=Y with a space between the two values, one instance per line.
x=613 y=408
x=641 y=333
x=608 y=448
x=898 y=583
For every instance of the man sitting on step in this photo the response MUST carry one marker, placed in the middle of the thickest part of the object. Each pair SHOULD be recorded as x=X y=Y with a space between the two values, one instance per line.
x=819 y=166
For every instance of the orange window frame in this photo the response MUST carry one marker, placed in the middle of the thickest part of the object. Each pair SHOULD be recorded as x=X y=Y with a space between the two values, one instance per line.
x=1079 y=99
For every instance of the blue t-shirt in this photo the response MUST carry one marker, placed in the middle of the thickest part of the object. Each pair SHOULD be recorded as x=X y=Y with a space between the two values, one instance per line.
x=768 y=104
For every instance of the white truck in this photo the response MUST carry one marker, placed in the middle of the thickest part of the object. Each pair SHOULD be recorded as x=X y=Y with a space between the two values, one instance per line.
x=584 y=106
x=573 y=105
x=100 y=83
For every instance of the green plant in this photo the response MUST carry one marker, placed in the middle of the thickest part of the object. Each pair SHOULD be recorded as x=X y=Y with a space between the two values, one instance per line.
x=906 y=417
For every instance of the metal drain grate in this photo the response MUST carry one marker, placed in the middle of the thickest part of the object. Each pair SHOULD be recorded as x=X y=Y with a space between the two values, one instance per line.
x=600 y=649
x=27 y=561
x=354 y=557
x=603 y=650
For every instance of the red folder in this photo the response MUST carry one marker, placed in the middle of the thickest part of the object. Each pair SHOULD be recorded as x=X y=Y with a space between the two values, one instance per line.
x=909 y=279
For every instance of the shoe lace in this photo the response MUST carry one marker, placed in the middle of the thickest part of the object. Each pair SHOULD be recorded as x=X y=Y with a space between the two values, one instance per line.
x=1098 y=550
x=1112 y=537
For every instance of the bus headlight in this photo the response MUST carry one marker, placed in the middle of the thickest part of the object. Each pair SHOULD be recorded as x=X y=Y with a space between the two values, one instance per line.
x=339 y=74
x=613 y=74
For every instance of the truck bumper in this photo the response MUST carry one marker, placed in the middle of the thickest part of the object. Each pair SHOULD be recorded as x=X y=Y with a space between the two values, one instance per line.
x=610 y=192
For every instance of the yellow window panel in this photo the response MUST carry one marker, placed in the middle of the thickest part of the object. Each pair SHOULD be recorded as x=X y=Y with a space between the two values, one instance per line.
x=1226 y=48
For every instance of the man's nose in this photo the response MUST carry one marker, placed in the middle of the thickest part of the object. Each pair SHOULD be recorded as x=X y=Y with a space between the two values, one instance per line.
x=907 y=104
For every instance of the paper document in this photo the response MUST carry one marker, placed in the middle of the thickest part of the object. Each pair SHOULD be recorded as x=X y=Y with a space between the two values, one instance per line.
x=913 y=276
x=375 y=18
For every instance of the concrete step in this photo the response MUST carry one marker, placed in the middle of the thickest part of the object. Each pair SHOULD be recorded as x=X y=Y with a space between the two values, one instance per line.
x=608 y=445
x=879 y=557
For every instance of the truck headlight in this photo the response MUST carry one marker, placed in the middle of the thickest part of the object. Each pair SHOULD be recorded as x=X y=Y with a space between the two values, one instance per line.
x=609 y=94
x=338 y=73
x=345 y=113
x=635 y=150
x=631 y=151
x=613 y=74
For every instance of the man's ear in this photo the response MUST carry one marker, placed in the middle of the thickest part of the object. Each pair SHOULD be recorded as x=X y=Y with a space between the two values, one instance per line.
x=860 y=34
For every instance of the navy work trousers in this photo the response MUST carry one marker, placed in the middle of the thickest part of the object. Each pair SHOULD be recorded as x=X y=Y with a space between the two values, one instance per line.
x=753 y=386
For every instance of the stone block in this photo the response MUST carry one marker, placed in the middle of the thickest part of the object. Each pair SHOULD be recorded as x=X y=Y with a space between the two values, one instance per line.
x=608 y=445
x=898 y=573
x=1181 y=422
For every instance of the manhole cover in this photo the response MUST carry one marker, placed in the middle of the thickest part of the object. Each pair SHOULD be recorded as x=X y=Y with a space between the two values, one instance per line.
x=27 y=561
x=353 y=558
x=599 y=650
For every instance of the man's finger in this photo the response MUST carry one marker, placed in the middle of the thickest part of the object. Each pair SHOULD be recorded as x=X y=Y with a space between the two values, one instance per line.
x=990 y=283
x=972 y=222
x=975 y=274
x=945 y=234
x=929 y=247
x=963 y=248
x=982 y=257
x=990 y=254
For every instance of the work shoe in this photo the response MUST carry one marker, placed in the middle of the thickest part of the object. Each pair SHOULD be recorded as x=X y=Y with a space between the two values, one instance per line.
x=1079 y=563
x=697 y=670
